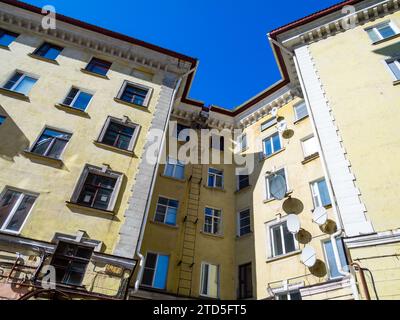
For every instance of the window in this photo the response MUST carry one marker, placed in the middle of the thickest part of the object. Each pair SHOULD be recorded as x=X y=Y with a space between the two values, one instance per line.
x=300 y=111
x=51 y=143
x=244 y=223
x=209 y=280
x=182 y=133
x=282 y=241
x=382 y=31
x=7 y=37
x=20 y=83
x=331 y=261
x=70 y=261
x=174 y=169
x=15 y=207
x=98 y=66
x=78 y=99
x=281 y=172
x=394 y=66
x=97 y=188
x=155 y=271
x=320 y=194
x=119 y=134
x=215 y=178
x=310 y=146
x=136 y=94
x=243 y=142
x=290 y=295
x=212 y=221
x=268 y=124
x=217 y=142
x=2 y=119
x=272 y=144
x=166 y=211
x=245 y=282
x=243 y=181
x=48 y=51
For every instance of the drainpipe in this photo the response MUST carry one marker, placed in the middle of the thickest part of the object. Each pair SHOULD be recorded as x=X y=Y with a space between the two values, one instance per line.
x=143 y=227
x=331 y=192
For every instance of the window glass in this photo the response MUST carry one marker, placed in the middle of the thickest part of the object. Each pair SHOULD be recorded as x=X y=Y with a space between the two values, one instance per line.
x=395 y=68
x=118 y=135
x=283 y=242
x=134 y=95
x=209 y=280
x=48 y=51
x=244 y=223
x=51 y=143
x=7 y=37
x=272 y=144
x=98 y=66
x=268 y=124
x=300 y=111
x=331 y=261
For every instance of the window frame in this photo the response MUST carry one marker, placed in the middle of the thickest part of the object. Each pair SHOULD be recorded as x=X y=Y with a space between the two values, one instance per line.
x=155 y=270
x=328 y=267
x=15 y=207
x=146 y=101
x=52 y=143
x=243 y=281
x=287 y=293
x=270 y=138
x=98 y=171
x=272 y=121
x=95 y=73
x=375 y=29
x=313 y=195
x=309 y=137
x=178 y=164
x=219 y=219
x=127 y=123
x=18 y=82
x=167 y=206
x=207 y=295
x=396 y=60
x=243 y=143
x=215 y=180
x=52 y=45
x=270 y=242
x=8 y=32
x=240 y=227
x=80 y=90
x=267 y=190
x=295 y=106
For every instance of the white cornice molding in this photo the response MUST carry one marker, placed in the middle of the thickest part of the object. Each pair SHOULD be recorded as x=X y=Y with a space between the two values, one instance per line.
x=100 y=44
x=373 y=239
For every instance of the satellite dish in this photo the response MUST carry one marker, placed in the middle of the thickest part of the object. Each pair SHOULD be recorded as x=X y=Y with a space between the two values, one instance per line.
x=274 y=112
x=278 y=187
x=282 y=126
x=293 y=223
x=308 y=256
x=320 y=216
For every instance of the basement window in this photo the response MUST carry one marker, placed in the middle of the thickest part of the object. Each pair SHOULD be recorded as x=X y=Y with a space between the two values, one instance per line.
x=51 y=143
x=382 y=31
x=48 y=51
x=71 y=261
x=155 y=271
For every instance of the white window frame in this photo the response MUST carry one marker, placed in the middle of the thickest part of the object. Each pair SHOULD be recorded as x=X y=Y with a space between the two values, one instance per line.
x=396 y=60
x=267 y=191
x=296 y=117
x=146 y=101
x=270 y=241
x=306 y=139
x=80 y=90
x=155 y=269
x=208 y=280
x=239 y=226
x=316 y=193
x=167 y=206
x=271 y=122
x=98 y=171
x=286 y=293
x=177 y=164
x=380 y=25
x=127 y=123
x=14 y=209
x=215 y=180
x=55 y=129
x=272 y=144
x=326 y=259
x=24 y=75
x=214 y=218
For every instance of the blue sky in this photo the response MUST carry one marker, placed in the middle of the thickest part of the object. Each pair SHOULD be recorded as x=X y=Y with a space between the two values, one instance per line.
x=228 y=36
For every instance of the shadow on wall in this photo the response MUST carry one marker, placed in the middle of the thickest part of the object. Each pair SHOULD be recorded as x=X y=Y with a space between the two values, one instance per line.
x=12 y=140
x=389 y=51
